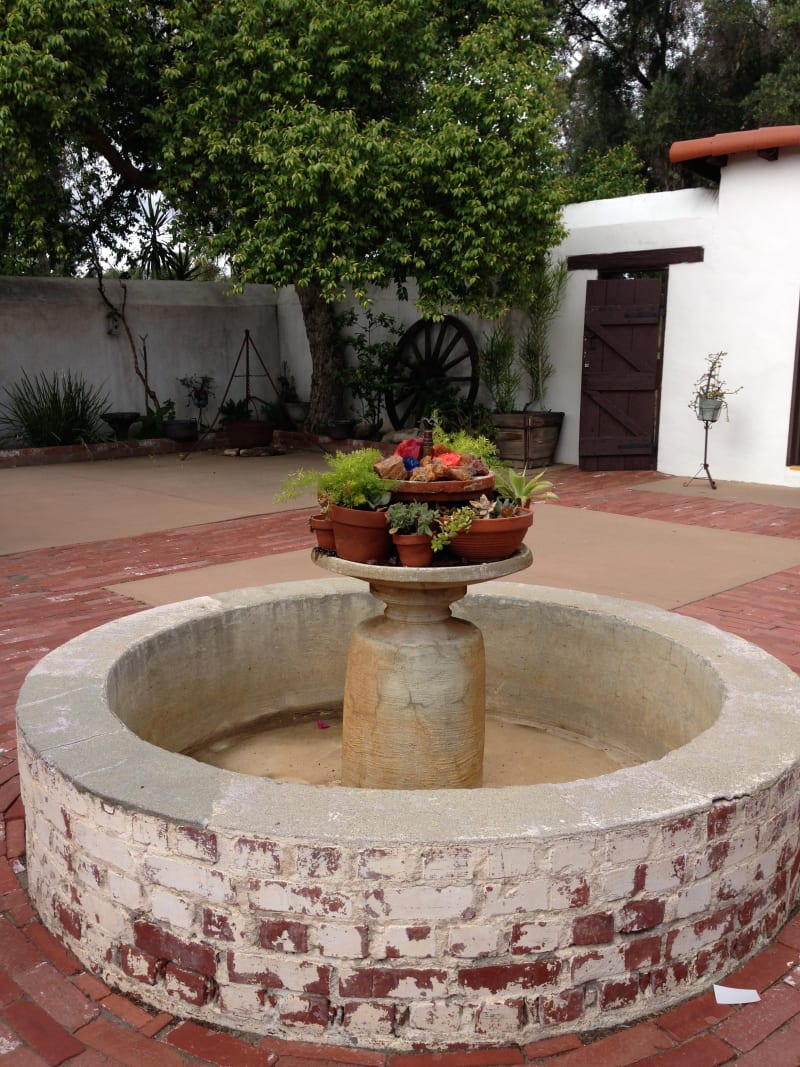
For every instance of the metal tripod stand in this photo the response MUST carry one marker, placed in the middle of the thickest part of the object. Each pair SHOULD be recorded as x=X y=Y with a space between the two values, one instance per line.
x=704 y=465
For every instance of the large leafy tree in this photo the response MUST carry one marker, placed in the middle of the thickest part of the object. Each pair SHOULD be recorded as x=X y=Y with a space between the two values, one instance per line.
x=329 y=146
x=649 y=72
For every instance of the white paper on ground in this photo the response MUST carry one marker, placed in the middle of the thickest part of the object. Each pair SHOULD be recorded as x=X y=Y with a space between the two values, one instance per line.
x=726 y=995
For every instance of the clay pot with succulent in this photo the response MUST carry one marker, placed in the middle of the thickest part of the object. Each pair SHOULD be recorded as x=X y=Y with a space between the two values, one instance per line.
x=411 y=526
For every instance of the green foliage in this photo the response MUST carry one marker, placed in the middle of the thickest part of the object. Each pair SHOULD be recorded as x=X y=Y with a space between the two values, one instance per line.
x=544 y=299
x=195 y=384
x=498 y=367
x=465 y=443
x=711 y=385
x=234 y=411
x=350 y=481
x=519 y=488
x=647 y=74
x=411 y=518
x=451 y=523
x=371 y=376
x=60 y=409
x=152 y=425
x=603 y=175
x=287 y=390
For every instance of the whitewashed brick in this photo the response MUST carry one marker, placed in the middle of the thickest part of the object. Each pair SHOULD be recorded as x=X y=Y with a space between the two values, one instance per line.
x=516 y=899
x=742 y=845
x=100 y=911
x=127 y=891
x=438 y=1017
x=386 y=863
x=150 y=831
x=572 y=856
x=172 y=909
x=420 y=902
x=634 y=845
x=511 y=861
x=538 y=937
x=618 y=883
x=300 y=899
x=392 y=942
x=692 y=899
x=338 y=940
x=187 y=877
x=448 y=864
x=368 y=1021
x=104 y=847
x=665 y=874
x=594 y=964
x=470 y=942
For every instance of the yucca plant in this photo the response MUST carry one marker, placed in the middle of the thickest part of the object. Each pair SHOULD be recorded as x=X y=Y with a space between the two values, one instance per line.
x=57 y=409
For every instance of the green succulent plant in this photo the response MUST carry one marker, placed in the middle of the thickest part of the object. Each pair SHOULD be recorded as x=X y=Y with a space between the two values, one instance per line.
x=517 y=486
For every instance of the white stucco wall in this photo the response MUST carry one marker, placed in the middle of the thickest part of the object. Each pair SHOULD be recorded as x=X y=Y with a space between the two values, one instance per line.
x=49 y=324
x=743 y=299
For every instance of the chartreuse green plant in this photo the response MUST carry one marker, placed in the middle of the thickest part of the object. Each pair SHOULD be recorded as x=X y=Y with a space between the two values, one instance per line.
x=350 y=482
x=450 y=524
x=465 y=443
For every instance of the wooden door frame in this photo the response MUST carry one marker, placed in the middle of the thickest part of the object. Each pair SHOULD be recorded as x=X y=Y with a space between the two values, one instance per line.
x=644 y=260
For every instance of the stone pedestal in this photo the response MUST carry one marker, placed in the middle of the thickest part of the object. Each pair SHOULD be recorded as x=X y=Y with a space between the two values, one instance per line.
x=414 y=699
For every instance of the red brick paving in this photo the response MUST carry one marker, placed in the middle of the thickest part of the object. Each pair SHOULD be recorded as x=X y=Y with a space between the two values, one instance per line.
x=53 y=1012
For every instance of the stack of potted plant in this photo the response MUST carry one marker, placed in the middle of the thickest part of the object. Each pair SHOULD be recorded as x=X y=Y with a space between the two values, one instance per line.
x=367 y=510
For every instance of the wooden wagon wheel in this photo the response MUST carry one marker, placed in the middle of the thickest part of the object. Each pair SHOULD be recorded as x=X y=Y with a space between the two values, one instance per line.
x=429 y=357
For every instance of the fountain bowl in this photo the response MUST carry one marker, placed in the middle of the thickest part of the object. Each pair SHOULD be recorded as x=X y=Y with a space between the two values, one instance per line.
x=391 y=919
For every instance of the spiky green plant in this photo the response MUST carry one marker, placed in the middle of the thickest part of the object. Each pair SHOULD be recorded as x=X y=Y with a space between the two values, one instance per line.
x=57 y=409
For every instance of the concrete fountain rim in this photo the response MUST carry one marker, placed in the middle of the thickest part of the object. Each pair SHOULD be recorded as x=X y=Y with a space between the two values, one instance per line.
x=64 y=719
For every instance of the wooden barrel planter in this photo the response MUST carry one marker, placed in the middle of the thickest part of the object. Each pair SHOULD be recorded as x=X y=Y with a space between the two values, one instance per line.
x=529 y=437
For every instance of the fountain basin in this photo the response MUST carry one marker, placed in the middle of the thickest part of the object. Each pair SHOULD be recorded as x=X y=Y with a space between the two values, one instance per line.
x=388 y=918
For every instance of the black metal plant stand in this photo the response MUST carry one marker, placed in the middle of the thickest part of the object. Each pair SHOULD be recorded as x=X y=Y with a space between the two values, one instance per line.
x=704 y=465
x=248 y=344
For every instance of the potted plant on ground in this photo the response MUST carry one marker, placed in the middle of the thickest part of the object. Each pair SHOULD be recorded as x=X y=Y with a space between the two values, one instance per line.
x=710 y=391
x=241 y=428
x=411 y=526
x=531 y=435
x=288 y=398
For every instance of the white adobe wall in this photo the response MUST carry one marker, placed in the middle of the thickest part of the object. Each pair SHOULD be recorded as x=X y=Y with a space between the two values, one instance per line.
x=742 y=299
x=49 y=324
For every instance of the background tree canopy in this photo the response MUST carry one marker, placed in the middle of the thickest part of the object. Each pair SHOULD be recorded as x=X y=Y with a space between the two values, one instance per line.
x=323 y=145
x=650 y=72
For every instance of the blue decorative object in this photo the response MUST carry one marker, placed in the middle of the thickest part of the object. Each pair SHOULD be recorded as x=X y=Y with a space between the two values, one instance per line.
x=410 y=463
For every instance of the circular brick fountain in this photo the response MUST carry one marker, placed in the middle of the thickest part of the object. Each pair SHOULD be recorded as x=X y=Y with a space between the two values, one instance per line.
x=393 y=918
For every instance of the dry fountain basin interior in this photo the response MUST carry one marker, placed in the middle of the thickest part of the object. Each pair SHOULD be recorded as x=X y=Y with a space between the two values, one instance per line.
x=388 y=919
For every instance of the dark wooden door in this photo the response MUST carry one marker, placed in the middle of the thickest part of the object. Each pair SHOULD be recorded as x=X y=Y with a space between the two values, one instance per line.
x=621 y=374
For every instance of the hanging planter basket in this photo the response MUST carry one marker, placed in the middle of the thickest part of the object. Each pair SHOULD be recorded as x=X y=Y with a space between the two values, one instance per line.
x=709 y=409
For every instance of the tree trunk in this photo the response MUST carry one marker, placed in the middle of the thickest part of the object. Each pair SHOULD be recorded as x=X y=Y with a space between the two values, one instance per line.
x=326 y=359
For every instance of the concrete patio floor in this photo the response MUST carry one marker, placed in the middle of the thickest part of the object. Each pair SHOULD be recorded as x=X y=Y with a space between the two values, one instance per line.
x=84 y=543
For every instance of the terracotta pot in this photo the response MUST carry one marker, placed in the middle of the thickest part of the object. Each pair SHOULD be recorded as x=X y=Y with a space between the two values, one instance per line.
x=180 y=429
x=361 y=536
x=323 y=527
x=249 y=433
x=414 y=550
x=488 y=540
